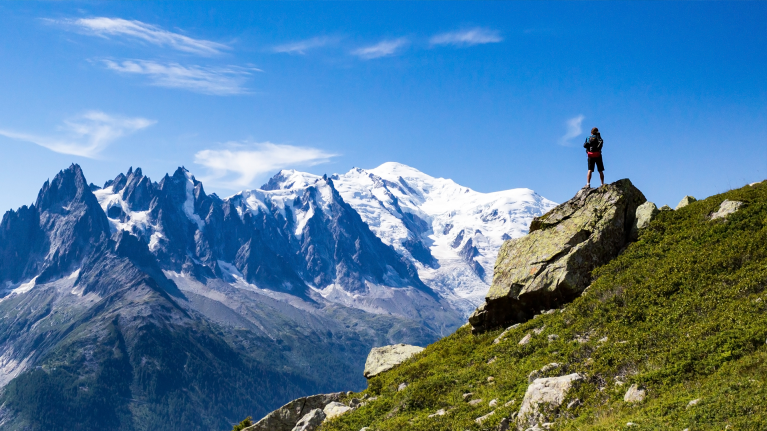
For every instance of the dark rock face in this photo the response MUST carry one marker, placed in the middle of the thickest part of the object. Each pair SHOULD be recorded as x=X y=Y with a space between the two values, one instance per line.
x=553 y=264
x=50 y=238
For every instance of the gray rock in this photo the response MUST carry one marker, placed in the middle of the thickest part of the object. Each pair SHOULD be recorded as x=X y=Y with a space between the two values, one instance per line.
x=335 y=409
x=310 y=421
x=286 y=417
x=543 y=399
x=504 y=425
x=634 y=394
x=475 y=402
x=526 y=339
x=665 y=208
x=687 y=200
x=642 y=217
x=552 y=264
x=401 y=387
x=385 y=358
x=440 y=412
x=726 y=208
x=693 y=403
x=481 y=419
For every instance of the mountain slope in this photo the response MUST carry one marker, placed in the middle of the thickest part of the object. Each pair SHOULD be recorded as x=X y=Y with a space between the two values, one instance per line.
x=144 y=301
x=681 y=313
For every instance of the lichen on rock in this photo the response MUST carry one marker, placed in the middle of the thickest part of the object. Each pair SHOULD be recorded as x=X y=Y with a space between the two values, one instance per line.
x=552 y=264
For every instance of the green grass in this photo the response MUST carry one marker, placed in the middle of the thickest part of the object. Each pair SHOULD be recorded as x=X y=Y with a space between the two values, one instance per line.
x=684 y=314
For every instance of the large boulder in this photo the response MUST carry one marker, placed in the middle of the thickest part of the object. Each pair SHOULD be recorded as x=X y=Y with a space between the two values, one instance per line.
x=552 y=264
x=288 y=416
x=543 y=400
x=385 y=358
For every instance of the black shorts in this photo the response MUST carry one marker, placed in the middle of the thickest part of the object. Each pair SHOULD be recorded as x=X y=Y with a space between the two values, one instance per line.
x=598 y=162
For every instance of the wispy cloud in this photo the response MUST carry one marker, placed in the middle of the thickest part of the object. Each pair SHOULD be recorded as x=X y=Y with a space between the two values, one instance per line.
x=302 y=46
x=573 y=129
x=137 y=30
x=238 y=165
x=86 y=135
x=381 y=49
x=474 y=36
x=220 y=81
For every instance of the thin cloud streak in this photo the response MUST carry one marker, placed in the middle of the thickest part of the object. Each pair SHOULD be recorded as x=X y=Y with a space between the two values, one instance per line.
x=218 y=81
x=302 y=46
x=474 y=36
x=104 y=27
x=87 y=135
x=573 y=129
x=381 y=49
x=246 y=162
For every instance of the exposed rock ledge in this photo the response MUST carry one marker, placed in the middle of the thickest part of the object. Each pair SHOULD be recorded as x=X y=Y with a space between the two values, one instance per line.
x=552 y=264
x=287 y=417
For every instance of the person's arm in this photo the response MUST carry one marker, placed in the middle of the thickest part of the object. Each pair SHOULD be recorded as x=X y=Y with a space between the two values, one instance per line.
x=586 y=144
x=601 y=142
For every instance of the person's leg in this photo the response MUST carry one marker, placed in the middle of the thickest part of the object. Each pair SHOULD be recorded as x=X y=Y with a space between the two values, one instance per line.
x=601 y=167
x=591 y=169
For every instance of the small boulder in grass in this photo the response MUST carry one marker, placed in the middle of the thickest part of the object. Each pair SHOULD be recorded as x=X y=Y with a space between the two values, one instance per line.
x=726 y=208
x=634 y=394
x=687 y=200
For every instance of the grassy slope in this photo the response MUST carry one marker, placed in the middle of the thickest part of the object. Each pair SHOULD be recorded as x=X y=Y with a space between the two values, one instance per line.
x=685 y=316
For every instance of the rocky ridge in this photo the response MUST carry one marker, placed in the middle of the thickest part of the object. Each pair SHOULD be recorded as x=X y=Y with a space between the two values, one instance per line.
x=552 y=264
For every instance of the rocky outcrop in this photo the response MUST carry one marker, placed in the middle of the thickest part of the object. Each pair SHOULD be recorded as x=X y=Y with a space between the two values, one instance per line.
x=385 y=358
x=687 y=200
x=311 y=421
x=287 y=417
x=543 y=400
x=552 y=264
x=726 y=208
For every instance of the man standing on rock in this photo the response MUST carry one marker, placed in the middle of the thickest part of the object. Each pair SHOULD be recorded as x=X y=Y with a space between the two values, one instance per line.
x=593 y=148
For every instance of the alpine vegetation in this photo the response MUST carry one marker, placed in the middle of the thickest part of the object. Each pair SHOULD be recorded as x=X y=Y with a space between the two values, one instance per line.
x=669 y=333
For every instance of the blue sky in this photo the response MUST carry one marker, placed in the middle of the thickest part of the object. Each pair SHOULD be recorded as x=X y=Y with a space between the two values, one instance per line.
x=493 y=95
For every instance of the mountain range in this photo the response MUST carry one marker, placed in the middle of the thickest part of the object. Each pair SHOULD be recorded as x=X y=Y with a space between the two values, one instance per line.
x=146 y=305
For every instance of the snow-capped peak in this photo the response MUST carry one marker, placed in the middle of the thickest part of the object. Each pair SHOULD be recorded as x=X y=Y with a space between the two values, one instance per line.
x=451 y=232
